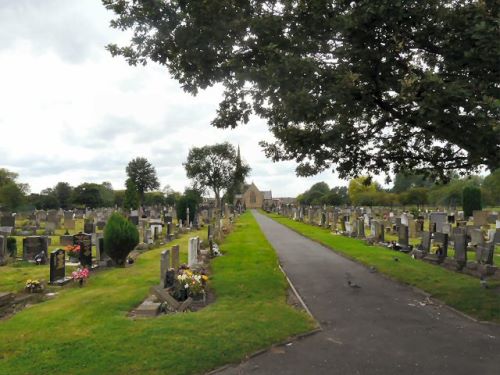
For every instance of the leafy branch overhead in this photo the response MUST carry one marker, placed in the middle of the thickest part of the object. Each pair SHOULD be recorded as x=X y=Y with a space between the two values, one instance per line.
x=365 y=86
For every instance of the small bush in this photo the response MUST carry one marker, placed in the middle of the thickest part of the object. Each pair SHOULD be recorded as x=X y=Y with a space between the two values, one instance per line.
x=471 y=200
x=120 y=238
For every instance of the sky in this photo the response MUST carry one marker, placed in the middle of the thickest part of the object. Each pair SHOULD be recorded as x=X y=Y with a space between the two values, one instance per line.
x=70 y=112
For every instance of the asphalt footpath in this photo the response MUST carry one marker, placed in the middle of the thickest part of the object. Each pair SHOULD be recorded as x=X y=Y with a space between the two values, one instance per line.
x=372 y=326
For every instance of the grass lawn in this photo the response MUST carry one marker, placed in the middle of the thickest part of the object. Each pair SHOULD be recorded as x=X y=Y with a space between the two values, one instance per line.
x=86 y=331
x=460 y=291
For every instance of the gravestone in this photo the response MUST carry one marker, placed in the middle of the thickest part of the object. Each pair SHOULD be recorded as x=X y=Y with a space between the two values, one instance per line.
x=446 y=229
x=164 y=266
x=476 y=237
x=50 y=227
x=403 y=239
x=101 y=225
x=34 y=245
x=460 y=242
x=57 y=266
x=88 y=227
x=175 y=257
x=6 y=231
x=485 y=253
x=134 y=219
x=66 y=240
x=425 y=244
x=69 y=224
x=192 y=252
x=100 y=249
x=441 y=239
x=436 y=221
x=361 y=228
x=84 y=240
x=480 y=217
x=3 y=249
x=7 y=221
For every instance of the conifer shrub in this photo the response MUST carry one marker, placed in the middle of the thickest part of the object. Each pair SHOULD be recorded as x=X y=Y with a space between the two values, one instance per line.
x=120 y=238
x=471 y=200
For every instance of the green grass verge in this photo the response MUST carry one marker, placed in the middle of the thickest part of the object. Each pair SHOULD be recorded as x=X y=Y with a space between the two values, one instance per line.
x=86 y=331
x=460 y=291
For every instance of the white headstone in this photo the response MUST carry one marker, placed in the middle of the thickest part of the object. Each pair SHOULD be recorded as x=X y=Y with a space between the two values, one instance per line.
x=192 y=251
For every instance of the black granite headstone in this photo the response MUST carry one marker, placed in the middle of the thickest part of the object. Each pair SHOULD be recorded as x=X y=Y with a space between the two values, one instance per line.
x=84 y=240
x=57 y=265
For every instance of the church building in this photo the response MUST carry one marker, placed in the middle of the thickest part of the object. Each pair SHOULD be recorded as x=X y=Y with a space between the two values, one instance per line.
x=254 y=198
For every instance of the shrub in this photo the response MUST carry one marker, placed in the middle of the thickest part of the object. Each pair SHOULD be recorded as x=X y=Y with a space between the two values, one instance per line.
x=120 y=238
x=471 y=200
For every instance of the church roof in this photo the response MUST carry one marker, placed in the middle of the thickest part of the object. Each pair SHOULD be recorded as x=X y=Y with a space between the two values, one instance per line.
x=268 y=194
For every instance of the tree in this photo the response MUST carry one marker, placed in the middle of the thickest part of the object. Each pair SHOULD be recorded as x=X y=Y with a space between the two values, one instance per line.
x=190 y=199
x=120 y=238
x=471 y=200
x=404 y=182
x=88 y=195
x=363 y=87
x=143 y=174
x=107 y=194
x=491 y=188
x=213 y=167
x=63 y=192
x=362 y=189
x=131 y=200
x=315 y=194
x=12 y=193
x=241 y=170
x=337 y=196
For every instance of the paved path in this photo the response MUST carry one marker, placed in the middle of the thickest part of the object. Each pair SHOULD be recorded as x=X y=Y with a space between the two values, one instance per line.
x=381 y=328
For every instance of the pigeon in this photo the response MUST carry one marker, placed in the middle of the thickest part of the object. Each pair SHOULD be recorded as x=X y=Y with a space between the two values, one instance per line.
x=373 y=269
x=353 y=285
x=395 y=259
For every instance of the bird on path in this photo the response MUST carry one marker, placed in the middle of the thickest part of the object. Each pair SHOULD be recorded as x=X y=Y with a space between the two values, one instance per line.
x=395 y=259
x=353 y=285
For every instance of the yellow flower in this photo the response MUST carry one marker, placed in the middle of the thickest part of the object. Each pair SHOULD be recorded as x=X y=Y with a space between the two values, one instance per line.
x=204 y=277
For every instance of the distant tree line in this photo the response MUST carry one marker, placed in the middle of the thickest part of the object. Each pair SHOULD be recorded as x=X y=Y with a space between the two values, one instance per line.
x=407 y=190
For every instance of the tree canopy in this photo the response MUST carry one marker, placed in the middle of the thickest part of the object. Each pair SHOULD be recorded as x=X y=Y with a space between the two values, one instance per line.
x=214 y=167
x=362 y=87
x=143 y=174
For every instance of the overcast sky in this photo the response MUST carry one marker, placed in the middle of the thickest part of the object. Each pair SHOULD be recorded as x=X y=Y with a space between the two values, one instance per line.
x=70 y=112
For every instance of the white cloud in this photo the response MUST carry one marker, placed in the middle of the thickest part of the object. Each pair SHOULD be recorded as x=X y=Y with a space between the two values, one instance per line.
x=70 y=112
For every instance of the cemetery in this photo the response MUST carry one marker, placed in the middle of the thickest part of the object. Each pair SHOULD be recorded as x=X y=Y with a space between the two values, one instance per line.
x=435 y=251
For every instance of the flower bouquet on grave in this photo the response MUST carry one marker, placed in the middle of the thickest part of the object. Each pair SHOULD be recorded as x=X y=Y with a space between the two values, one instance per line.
x=189 y=283
x=33 y=286
x=73 y=252
x=80 y=275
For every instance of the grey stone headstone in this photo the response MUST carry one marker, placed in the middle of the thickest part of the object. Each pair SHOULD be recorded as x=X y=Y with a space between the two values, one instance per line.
x=442 y=240
x=460 y=242
x=66 y=240
x=403 y=239
x=175 y=257
x=6 y=231
x=164 y=266
x=481 y=217
x=425 y=244
x=8 y=221
x=69 y=224
x=3 y=248
x=477 y=237
x=57 y=265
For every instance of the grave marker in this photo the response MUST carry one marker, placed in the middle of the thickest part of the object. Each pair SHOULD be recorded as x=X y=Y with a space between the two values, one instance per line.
x=57 y=266
x=84 y=240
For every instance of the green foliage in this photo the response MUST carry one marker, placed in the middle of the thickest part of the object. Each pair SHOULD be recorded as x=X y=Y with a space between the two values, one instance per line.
x=404 y=182
x=314 y=196
x=88 y=195
x=337 y=196
x=154 y=198
x=120 y=238
x=143 y=174
x=215 y=167
x=471 y=200
x=190 y=199
x=63 y=193
x=12 y=193
x=107 y=194
x=491 y=189
x=415 y=196
x=131 y=199
x=362 y=189
x=367 y=86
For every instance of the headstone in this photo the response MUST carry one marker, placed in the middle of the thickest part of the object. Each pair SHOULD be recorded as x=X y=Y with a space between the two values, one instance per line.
x=175 y=257
x=436 y=221
x=65 y=240
x=481 y=217
x=7 y=221
x=69 y=224
x=3 y=249
x=403 y=239
x=100 y=249
x=164 y=266
x=34 y=245
x=460 y=242
x=477 y=237
x=441 y=239
x=361 y=228
x=425 y=244
x=88 y=227
x=57 y=266
x=134 y=219
x=84 y=240
x=192 y=252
